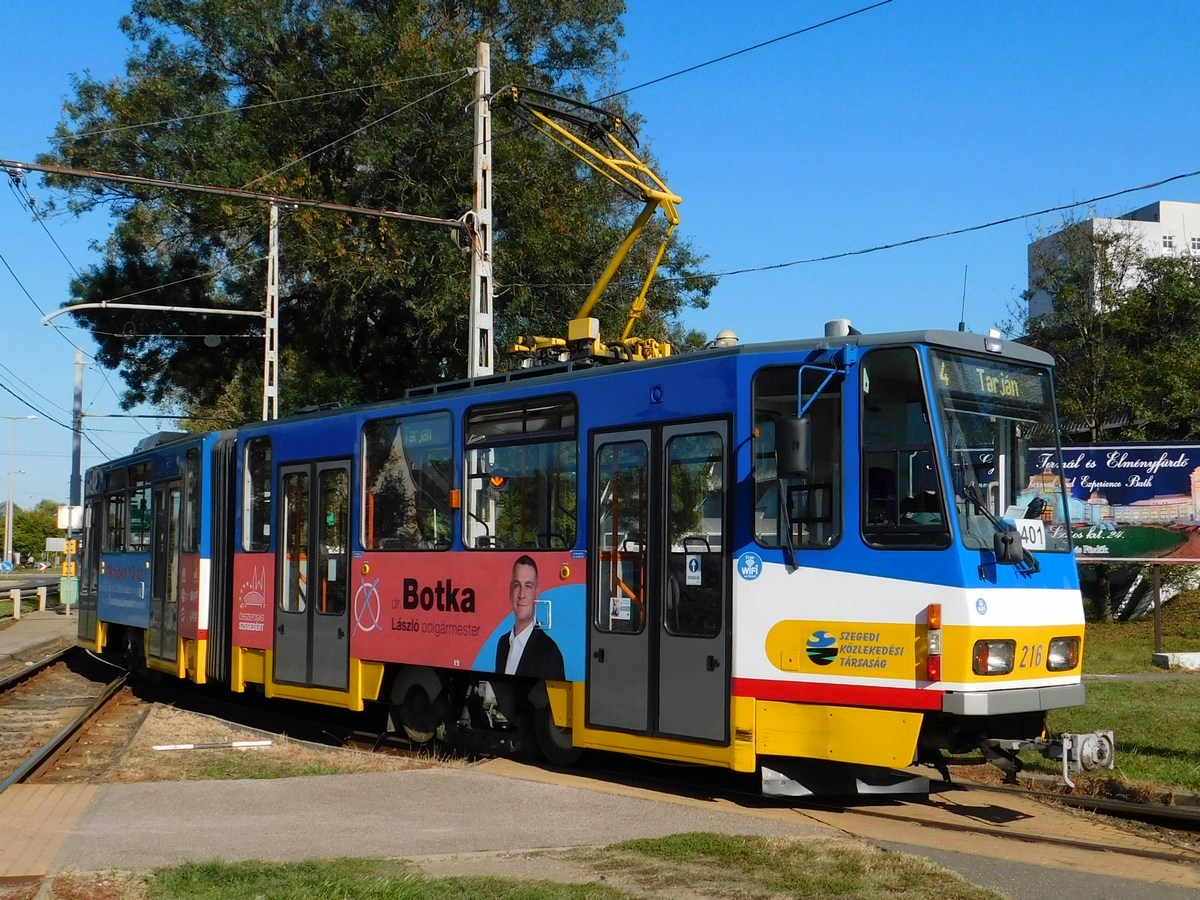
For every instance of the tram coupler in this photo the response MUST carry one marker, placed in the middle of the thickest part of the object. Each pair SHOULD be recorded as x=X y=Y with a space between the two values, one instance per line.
x=1077 y=752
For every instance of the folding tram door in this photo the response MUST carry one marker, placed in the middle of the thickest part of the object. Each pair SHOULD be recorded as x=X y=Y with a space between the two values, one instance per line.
x=312 y=620
x=164 y=566
x=658 y=633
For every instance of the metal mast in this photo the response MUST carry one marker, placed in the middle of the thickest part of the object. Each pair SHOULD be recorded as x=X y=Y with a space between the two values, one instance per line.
x=271 y=329
x=479 y=225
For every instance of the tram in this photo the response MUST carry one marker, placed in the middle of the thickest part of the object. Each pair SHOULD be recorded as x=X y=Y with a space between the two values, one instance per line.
x=827 y=555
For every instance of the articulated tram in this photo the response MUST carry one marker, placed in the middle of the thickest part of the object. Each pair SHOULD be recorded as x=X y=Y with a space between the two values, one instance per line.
x=828 y=555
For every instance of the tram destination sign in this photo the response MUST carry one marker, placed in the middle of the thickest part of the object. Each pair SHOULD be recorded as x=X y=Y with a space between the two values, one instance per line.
x=1128 y=502
x=992 y=382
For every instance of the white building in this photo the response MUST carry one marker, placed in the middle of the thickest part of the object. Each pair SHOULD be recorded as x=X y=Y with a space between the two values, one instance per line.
x=1164 y=228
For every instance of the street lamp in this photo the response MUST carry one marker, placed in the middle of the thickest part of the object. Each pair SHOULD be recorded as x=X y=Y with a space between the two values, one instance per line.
x=12 y=468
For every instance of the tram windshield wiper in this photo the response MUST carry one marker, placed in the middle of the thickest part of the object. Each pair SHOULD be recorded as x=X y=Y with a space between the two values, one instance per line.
x=970 y=492
x=789 y=548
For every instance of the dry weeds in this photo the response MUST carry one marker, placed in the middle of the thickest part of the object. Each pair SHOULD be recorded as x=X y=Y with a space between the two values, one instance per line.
x=166 y=725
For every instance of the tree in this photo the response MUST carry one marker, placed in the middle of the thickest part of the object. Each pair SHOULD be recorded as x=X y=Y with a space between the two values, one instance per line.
x=1124 y=329
x=1160 y=327
x=1086 y=273
x=31 y=527
x=353 y=101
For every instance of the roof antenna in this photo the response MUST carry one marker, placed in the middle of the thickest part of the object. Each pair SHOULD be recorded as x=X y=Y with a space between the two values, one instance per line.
x=962 y=325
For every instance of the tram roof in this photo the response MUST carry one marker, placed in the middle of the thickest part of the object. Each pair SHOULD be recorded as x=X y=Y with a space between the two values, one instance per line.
x=564 y=373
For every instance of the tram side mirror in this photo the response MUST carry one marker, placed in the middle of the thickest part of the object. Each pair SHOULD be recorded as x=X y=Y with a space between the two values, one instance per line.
x=793 y=446
x=1009 y=551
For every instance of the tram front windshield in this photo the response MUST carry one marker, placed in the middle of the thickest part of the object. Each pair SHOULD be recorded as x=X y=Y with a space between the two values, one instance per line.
x=1005 y=461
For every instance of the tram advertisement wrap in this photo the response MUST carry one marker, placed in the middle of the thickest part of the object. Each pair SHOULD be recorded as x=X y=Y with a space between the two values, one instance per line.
x=1127 y=501
x=124 y=589
x=189 y=596
x=455 y=611
x=253 y=610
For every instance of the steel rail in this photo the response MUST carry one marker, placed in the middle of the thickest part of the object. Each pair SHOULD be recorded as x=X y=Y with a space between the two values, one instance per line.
x=48 y=750
x=1182 y=817
x=32 y=669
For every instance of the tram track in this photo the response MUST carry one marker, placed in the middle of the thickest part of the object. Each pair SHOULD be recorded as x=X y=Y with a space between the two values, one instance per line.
x=44 y=709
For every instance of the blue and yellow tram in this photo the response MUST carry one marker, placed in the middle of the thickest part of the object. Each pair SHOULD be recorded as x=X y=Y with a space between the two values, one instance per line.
x=755 y=557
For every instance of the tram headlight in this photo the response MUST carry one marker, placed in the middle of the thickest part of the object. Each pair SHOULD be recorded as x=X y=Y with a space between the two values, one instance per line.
x=1063 y=655
x=993 y=657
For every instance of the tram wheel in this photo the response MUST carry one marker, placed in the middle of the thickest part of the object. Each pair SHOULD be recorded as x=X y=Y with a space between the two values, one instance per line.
x=418 y=716
x=553 y=742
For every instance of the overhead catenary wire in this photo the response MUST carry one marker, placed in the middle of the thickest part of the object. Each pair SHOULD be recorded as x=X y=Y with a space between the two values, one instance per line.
x=356 y=131
x=907 y=242
x=758 y=46
x=176 y=120
x=17 y=185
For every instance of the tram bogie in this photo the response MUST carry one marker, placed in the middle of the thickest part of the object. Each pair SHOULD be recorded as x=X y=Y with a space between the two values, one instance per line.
x=751 y=557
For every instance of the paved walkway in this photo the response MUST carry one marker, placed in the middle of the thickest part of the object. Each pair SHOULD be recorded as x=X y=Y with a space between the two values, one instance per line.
x=486 y=818
x=34 y=629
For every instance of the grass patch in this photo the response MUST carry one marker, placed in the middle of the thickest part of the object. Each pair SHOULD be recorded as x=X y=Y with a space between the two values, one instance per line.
x=236 y=765
x=1116 y=648
x=752 y=867
x=27 y=606
x=1155 y=724
x=367 y=879
x=699 y=864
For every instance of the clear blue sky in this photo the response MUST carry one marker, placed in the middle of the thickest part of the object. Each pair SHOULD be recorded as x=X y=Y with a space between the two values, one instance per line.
x=916 y=118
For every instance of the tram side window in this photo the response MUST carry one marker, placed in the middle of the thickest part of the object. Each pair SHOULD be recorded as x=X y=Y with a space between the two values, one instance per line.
x=89 y=579
x=256 y=496
x=115 y=483
x=622 y=517
x=695 y=535
x=139 y=509
x=407 y=473
x=333 y=514
x=814 y=503
x=521 y=475
x=114 y=523
x=191 y=501
x=902 y=500
x=293 y=592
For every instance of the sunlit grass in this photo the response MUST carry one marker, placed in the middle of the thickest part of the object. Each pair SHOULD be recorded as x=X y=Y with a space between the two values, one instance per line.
x=1156 y=722
x=695 y=864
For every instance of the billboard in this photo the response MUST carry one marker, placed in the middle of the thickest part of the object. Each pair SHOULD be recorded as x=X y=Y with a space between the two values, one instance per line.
x=1128 y=502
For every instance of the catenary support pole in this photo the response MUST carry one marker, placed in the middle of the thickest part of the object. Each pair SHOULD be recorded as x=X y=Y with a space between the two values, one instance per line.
x=270 y=408
x=479 y=225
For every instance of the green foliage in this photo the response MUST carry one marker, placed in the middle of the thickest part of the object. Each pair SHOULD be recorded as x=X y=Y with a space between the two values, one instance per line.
x=1087 y=273
x=31 y=527
x=1123 y=330
x=1160 y=327
x=353 y=102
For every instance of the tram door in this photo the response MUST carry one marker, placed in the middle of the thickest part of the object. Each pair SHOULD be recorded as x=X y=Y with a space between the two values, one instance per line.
x=312 y=626
x=164 y=563
x=659 y=618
